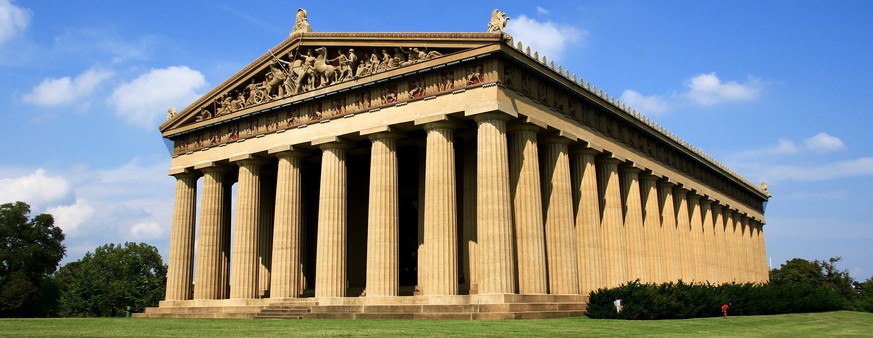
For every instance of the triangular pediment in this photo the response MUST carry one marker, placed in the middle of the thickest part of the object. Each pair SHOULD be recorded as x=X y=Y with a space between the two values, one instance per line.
x=312 y=64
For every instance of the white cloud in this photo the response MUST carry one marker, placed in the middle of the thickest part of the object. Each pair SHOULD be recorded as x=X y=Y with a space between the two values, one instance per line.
x=653 y=104
x=542 y=11
x=708 y=89
x=822 y=142
x=13 y=20
x=703 y=90
x=56 y=92
x=146 y=230
x=69 y=217
x=147 y=97
x=36 y=189
x=548 y=38
x=850 y=168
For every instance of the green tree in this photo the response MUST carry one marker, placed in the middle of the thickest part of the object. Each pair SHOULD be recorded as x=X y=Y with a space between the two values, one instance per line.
x=106 y=282
x=866 y=295
x=822 y=274
x=30 y=250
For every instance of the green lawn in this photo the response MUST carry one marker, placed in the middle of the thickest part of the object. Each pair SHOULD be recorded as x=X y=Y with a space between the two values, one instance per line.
x=804 y=325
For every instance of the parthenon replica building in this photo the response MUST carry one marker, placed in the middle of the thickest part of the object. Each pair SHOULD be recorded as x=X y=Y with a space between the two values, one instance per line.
x=436 y=175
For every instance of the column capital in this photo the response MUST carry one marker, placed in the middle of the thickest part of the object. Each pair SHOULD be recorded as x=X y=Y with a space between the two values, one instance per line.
x=693 y=196
x=382 y=132
x=528 y=121
x=495 y=115
x=705 y=201
x=247 y=159
x=607 y=159
x=332 y=142
x=517 y=127
x=583 y=149
x=559 y=138
x=180 y=173
x=665 y=183
x=629 y=168
x=649 y=176
x=287 y=150
x=679 y=190
x=387 y=135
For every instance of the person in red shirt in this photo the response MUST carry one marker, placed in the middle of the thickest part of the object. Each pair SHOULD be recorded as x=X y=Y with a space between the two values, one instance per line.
x=724 y=309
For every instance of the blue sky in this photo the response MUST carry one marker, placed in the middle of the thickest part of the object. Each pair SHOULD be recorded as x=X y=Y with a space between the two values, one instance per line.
x=779 y=91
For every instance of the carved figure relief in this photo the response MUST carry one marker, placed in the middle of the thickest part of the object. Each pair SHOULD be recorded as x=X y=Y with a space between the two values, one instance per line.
x=446 y=82
x=474 y=75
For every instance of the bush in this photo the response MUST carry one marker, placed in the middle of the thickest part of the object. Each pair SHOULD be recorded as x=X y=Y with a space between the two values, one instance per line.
x=680 y=300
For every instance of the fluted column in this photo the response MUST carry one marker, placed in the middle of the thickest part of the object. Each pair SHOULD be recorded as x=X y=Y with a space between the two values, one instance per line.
x=330 y=259
x=746 y=242
x=558 y=213
x=265 y=232
x=440 y=212
x=383 y=218
x=287 y=270
x=589 y=248
x=181 y=263
x=244 y=268
x=683 y=227
x=226 y=216
x=670 y=233
x=208 y=270
x=494 y=212
x=652 y=224
x=471 y=242
x=696 y=238
x=765 y=267
x=707 y=243
x=718 y=243
x=753 y=251
x=731 y=229
x=633 y=223
x=612 y=226
x=527 y=204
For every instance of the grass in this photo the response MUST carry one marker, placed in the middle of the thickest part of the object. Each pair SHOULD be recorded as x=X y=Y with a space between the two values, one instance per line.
x=841 y=323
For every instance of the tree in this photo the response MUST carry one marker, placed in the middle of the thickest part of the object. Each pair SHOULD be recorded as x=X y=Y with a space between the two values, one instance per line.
x=114 y=277
x=30 y=250
x=821 y=274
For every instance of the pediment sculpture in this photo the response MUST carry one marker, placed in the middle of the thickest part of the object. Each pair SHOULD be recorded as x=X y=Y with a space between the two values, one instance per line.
x=304 y=69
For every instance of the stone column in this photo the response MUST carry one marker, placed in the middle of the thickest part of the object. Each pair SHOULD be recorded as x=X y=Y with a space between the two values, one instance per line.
x=558 y=213
x=589 y=247
x=471 y=241
x=745 y=245
x=707 y=243
x=718 y=243
x=753 y=251
x=440 y=268
x=731 y=244
x=226 y=216
x=244 y=268
x=765 y=268
x=330 y=252
x=683 y=227
x=633 y=223
x=181 y=262
x=670 y=233
x=527 y=204
x=494 y=211
x=287 y=270
x=652 y=224
x=383 y=218
x=613 y=231
x=208 y=271
x=265 y=232
x=697 y=258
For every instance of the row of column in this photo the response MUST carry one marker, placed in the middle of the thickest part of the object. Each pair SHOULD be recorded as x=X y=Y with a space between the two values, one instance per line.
x=567 y=221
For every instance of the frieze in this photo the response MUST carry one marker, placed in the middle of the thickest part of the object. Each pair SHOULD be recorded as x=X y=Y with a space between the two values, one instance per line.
x=598 y=119
x=389 y=93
